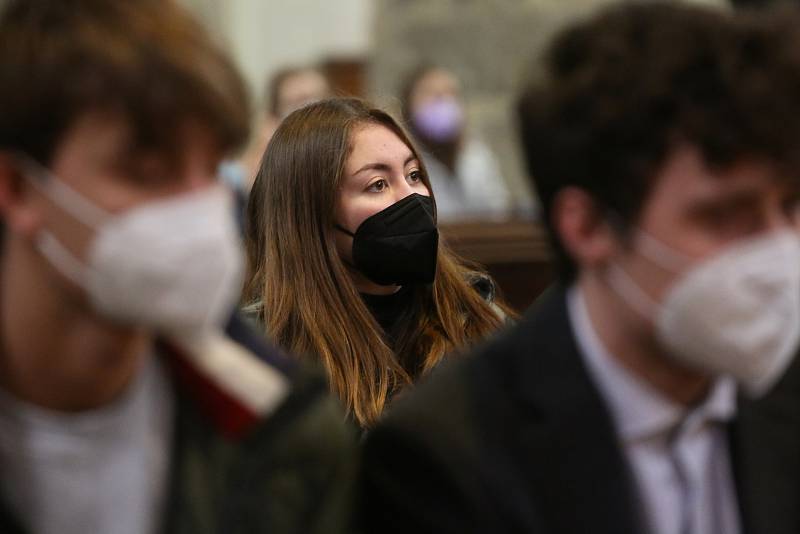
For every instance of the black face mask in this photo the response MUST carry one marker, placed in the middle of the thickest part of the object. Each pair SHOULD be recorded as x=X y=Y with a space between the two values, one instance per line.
x=398 y=245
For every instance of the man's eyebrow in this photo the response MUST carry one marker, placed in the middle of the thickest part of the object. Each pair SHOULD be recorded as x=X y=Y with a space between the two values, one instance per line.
x=733 y=200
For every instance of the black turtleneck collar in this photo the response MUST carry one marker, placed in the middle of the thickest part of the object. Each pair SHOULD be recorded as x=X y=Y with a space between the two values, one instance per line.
x=389 y=309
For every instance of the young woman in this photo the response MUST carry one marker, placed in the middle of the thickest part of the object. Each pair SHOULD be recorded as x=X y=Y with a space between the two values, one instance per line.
x=345 y=261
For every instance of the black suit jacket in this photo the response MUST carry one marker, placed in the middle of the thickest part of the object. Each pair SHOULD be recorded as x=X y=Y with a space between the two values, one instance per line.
x=516 y=438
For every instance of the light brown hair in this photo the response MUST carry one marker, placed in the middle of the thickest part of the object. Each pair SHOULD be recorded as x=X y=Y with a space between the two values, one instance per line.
x=309 y=304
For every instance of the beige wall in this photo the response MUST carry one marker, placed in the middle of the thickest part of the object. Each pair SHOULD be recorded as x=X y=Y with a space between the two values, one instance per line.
x=265 y=35
x=490 y=44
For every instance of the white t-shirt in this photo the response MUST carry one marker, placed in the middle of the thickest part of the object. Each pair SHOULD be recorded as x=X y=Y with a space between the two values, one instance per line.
x=102 y=471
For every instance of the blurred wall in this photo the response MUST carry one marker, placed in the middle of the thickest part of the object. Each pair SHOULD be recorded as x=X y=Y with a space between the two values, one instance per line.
x=490 y=44
x=265 y=35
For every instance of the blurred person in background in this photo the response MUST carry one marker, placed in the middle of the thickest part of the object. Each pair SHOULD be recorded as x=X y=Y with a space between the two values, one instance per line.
x=292 y=88
x=345 y=262
x=130 y=402
x=287 y=90
x=463 y=171
x=648 y=391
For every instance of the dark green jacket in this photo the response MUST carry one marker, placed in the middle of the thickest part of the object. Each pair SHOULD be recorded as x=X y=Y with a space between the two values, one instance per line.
x=235 y=471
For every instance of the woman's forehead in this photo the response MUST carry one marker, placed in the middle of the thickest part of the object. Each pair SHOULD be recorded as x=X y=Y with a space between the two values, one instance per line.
x=376 y=144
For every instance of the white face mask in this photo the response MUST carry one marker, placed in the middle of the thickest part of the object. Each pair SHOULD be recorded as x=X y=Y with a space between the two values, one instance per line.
x=736 y=314
x=174 y=265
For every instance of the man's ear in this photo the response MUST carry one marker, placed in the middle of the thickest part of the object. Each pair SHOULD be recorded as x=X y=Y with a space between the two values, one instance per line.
x=17 y=209
x=582 y=228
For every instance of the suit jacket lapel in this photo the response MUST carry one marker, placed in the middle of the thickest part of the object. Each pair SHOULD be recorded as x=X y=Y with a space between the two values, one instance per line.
x=765 y=446
x=572 y=450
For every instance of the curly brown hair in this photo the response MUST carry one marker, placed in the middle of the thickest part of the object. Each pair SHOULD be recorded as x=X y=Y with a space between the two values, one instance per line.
x=625 y=87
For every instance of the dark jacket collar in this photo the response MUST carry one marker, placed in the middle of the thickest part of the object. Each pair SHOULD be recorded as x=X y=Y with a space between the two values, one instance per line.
x=765 y=446
x=570 y=425
x=567 y=442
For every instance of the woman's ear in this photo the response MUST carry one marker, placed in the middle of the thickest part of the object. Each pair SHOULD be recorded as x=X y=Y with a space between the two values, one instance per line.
x=582 y=228
x=16 y=207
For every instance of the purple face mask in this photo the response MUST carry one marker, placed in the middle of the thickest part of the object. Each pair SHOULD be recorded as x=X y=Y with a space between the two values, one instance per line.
x=439 y=120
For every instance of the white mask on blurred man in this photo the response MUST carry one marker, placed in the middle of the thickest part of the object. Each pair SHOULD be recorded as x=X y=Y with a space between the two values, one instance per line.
x=737 y=313
x=174 y=264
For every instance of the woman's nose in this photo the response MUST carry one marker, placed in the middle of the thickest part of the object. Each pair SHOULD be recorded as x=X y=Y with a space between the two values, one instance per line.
x=403 y=190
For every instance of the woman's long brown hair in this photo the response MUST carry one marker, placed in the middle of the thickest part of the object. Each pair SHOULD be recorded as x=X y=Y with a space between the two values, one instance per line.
x=309 y=304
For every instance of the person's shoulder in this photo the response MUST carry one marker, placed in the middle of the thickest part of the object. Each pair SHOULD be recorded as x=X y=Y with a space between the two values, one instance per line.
x=475 y=147
x=252 y=314
x=435 y=448
x=456 y=397
x=241 y=384
x=308 y=419
x=486 y=288
x=476 y=154
x=487 y=376
x=309 y=450
x=268 y=424
x=307 y=407
x=483 y=284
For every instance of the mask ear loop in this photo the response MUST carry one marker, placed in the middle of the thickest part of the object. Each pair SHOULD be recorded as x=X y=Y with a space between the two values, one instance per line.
x=62 y=259
x=343 y=229
x=661 y=254
x=650 y=247
x=654 y=251
x=623 y=284
x=60 y=193
x=72 y=202
x=351 y=234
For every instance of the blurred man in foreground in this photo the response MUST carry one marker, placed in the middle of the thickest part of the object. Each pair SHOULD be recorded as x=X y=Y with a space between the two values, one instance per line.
x=129 y=403
x=665 y=149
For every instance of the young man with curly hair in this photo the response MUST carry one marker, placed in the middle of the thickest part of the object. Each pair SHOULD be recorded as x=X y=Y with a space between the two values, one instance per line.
x=643 y=393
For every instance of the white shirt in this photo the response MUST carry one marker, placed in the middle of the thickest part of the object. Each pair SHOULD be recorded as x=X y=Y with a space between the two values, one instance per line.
x=103 y=471
x=680 y=458
x=475 y=190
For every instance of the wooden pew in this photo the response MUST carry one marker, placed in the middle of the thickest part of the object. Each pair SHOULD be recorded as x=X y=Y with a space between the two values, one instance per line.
x=515 y=253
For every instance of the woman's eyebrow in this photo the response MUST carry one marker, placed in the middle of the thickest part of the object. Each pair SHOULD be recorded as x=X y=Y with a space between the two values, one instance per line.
x=382 y=166
x=372 y=167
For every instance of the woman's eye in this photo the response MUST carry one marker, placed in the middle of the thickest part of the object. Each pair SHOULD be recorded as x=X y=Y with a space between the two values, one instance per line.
x=377 y=186
x=415 y=176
